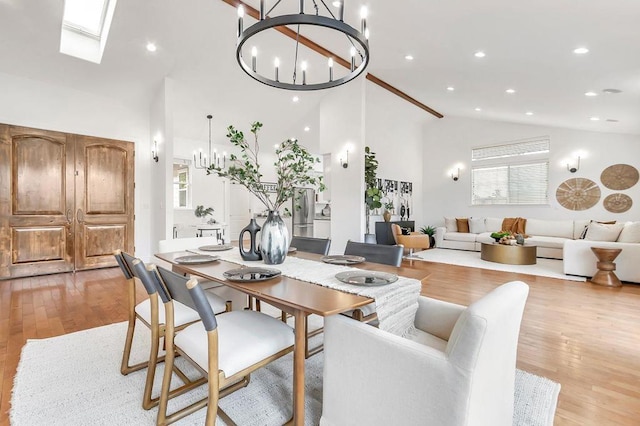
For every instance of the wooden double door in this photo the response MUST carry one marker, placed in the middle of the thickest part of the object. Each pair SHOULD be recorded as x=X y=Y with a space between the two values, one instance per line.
x=66 y=201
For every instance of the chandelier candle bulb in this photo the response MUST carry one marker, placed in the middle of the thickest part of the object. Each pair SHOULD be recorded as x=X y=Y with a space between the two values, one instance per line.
x=261 y=10
x=363 y=16
x=303 y=65
x=240 y=16
x=330 y=69
x=301 y=6
x=353 y=59
x=254 y=57
x=276 y=63
x=341 y=11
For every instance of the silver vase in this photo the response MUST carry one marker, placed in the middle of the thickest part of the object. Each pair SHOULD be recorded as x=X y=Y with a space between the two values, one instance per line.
x=274 y=239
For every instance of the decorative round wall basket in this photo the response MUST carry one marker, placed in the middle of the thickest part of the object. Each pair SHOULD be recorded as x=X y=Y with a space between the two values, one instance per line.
x=578 y=194
x=619 y=176
x=617 y=203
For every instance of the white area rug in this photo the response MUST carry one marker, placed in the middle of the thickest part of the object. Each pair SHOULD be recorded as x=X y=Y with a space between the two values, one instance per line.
x=545 y=267
x=75 y=380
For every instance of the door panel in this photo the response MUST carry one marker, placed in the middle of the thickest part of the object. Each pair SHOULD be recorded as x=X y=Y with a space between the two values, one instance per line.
x=36 y=202
x=104 y=200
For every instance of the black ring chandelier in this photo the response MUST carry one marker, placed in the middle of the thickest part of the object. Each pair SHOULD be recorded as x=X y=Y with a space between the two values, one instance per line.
x=358 y=40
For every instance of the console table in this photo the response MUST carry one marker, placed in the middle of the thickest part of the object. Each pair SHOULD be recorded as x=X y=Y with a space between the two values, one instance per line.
x=384 y=234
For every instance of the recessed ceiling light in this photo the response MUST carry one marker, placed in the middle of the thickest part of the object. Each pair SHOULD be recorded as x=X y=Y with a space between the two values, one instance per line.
x=409 y=57
x=612 y=120
x=478 y=109
x=151 y=47
x=591 y=94
x=580 y=50
x=510 y=91
x=479 y=54
x=612 y=91
x=295 y=99
x=451 y=88
x=336 y=3
x=306 y=129
x=529 y=113
x=594 y=118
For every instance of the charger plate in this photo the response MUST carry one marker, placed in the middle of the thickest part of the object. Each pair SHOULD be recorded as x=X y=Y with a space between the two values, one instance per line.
x=251 y=274
x=366 y=278
x=340 y=259
x=216 y=247
x=195 y=259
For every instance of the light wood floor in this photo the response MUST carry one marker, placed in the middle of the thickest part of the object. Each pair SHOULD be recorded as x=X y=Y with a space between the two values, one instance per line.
x=583 y=336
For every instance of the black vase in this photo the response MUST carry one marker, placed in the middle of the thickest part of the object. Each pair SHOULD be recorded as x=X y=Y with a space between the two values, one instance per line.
x=253 y=253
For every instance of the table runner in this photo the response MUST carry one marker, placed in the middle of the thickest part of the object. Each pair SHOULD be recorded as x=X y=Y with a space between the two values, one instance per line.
x=396 y=303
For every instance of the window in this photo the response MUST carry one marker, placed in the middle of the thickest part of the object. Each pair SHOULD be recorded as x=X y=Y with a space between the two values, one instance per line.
x=181 y=185
x=85 y=28
x=513 y=173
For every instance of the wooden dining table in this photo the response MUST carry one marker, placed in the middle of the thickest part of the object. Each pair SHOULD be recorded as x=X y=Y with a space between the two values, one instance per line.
x=297 y=298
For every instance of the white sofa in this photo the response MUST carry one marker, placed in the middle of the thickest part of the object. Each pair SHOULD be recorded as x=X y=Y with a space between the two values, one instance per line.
x=555 y=239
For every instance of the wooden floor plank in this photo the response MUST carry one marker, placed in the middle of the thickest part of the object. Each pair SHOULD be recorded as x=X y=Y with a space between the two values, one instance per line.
x=580 y=335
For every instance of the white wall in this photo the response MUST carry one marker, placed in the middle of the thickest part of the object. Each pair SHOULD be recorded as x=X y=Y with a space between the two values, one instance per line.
x=394 y=132
x=41 y=105
x=342 y=125
x=449 y=141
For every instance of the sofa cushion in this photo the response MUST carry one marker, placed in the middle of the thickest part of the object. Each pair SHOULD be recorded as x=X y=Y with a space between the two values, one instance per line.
x=485 y=237
x=476 y=225
x=550 y=228
x=586 y=227
x=630 y=233
x=462 y=224
x=493 y=224
x=450 y=224
x=601 y=232
x=460 y=236
x=548 y=242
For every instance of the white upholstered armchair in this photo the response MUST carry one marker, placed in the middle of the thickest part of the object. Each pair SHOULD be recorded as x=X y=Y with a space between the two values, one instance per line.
x=459 y=368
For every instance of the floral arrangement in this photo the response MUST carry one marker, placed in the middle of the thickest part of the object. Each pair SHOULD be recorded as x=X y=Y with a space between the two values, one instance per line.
x=294 y=166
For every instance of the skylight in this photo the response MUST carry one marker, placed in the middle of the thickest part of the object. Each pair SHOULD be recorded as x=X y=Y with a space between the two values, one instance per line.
x=85 y=27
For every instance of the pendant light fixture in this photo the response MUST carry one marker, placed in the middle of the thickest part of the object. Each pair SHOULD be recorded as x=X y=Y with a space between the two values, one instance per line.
x=271 y=71
x=201 y=161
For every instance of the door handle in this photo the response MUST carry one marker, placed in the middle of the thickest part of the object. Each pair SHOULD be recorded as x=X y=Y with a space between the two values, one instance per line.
x=68 y=215
x=80 y=216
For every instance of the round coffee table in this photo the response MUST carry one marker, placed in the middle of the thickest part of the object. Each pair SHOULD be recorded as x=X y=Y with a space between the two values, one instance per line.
x=511 y=255
x=605 y=275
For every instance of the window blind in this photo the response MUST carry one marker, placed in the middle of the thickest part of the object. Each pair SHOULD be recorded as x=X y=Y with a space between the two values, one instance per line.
x=510 y=184
x=516 y=149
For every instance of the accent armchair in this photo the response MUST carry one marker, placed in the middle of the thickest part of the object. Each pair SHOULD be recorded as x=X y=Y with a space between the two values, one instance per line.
x=457 y=368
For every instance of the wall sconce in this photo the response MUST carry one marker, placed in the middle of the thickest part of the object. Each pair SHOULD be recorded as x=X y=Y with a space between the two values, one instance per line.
x=154 y=152
x=575 y=168
x=455 y=174
x=345 y=163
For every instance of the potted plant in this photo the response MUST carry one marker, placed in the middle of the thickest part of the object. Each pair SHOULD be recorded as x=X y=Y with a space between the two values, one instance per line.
x=202 y=213
x=430 y=231
x=372 y=194
x=388 y=209
x=294 y=167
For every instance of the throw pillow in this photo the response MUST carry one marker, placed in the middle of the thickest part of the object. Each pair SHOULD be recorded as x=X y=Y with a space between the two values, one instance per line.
x=462 y=224
x=630 y=233
x=476 y=225
x=450 y=224
x=507 y=223
x=601 y=232
x=586 y=228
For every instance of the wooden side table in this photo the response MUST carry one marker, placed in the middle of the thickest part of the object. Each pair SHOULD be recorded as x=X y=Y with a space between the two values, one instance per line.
x=605 y=275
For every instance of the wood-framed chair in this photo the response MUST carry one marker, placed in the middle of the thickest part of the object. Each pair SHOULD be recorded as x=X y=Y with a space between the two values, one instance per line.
x=312 y=245
x=375 y=253
x=223 y=348
x=152 y=314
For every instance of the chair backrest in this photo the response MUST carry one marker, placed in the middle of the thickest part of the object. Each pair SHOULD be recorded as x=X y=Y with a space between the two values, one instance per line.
x=376 y=253
x=484 y=343
x=172 y=286
x=136 y=266
x=123 y=264
x=179 y=244
x=311 y=245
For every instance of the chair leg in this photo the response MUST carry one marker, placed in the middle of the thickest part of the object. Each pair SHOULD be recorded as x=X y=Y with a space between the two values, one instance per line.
x=147 y=401
x=125 y=368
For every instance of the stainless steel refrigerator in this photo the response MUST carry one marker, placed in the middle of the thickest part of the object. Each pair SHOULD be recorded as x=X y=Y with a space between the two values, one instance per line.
x=303 y=212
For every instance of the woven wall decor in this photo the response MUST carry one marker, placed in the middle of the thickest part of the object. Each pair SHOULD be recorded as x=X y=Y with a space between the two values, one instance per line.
x=578 y=194
x=617 y=203
x=619 y=176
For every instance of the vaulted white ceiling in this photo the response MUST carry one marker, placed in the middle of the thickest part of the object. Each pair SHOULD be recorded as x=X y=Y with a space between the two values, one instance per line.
x=528 y=45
